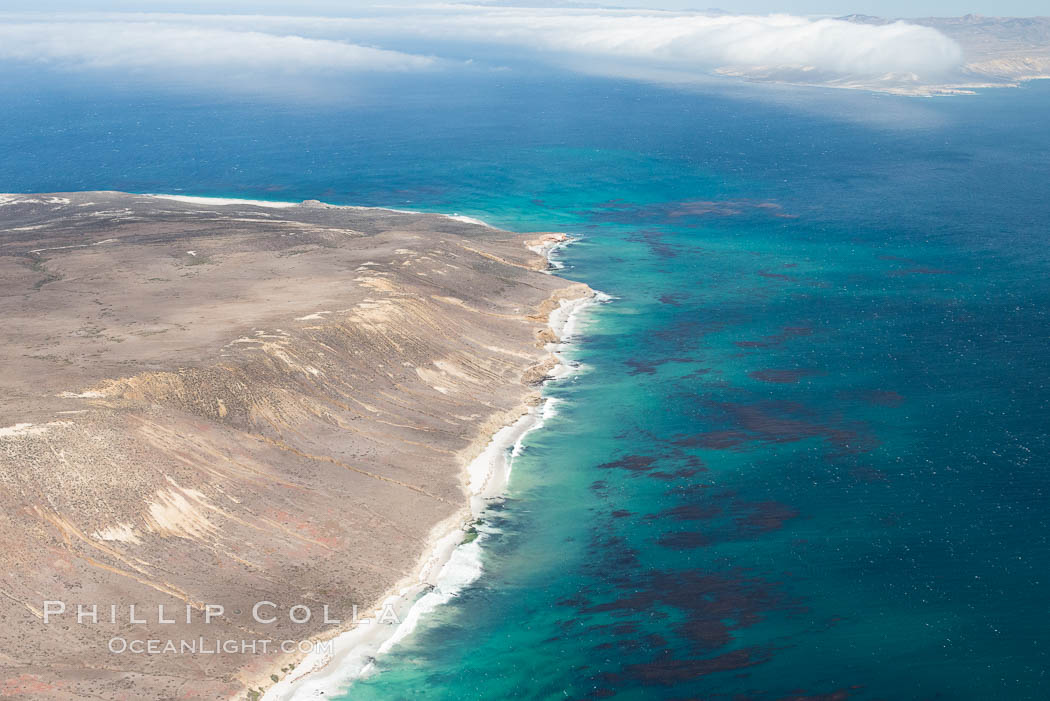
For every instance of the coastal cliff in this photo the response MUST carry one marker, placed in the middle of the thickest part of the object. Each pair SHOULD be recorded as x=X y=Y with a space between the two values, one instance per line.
x=214 y=405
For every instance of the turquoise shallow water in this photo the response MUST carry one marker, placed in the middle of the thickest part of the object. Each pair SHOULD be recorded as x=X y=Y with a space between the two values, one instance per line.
x=806 y=455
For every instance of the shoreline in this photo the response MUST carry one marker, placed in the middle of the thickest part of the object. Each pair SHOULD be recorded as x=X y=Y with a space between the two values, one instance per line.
x=284 y=204
x=450 y=562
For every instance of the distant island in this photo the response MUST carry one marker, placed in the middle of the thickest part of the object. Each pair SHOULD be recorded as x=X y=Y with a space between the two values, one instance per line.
x=997 y=52
x=229 y=404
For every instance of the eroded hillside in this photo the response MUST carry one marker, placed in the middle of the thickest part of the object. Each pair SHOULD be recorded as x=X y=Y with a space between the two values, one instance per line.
x=208 y=404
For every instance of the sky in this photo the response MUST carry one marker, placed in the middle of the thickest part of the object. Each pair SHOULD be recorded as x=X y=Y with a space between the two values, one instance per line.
x=882 y=8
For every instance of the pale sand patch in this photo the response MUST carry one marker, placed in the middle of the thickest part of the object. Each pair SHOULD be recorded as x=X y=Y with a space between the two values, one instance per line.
x=8 y=198
x=90 y=394
x=21 y=430
x=121 y=533
x=468 y=220
x=82 y=245
x=171 y=514
x=310 y=317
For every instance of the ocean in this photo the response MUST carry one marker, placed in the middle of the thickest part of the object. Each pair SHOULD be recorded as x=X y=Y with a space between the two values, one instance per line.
x=804 y=454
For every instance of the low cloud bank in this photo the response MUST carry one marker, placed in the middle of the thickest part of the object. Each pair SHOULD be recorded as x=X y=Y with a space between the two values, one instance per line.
x=618 y=42
x=165 y=46
x=691 y=41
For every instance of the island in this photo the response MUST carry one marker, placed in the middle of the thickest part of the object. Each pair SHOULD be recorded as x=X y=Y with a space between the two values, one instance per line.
x=221 y=417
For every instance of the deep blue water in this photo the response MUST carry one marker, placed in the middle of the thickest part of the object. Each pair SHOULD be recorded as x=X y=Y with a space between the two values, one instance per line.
x=807 y=454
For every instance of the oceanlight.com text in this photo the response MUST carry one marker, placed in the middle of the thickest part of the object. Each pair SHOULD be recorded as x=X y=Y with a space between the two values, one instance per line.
x=215 y=646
